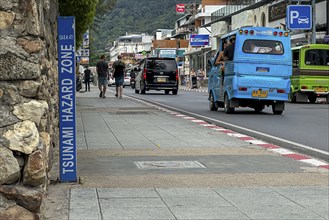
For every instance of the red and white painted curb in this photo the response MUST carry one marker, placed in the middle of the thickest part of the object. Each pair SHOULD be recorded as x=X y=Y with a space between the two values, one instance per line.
x=271 y=147
x=195 y=90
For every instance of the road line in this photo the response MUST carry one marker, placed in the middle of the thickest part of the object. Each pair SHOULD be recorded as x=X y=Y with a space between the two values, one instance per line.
x=270 y=147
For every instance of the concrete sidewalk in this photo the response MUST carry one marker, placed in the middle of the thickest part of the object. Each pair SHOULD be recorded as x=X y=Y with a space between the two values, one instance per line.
x=139 y=161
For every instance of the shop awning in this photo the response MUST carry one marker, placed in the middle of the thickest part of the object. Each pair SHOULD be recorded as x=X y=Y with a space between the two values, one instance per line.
x=196 y=51
x=199 y=50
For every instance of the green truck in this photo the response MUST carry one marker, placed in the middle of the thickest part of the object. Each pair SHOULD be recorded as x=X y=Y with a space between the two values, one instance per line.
x=310 y=74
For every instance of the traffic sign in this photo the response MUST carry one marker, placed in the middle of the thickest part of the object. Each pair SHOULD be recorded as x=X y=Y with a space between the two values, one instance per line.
x=299 y=17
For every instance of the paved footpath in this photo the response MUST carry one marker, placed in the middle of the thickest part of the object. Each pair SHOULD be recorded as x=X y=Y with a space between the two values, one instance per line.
x=139 y=161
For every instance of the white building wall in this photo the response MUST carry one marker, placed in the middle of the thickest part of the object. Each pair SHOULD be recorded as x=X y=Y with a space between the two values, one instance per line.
x=217 y=30
x=204 y=31
x=260 y=17
x=158 y=35
x=147 y=39
x=207 y=20
x=321 y=12
x=242 y=19
x=212 y=8
x=278 y=23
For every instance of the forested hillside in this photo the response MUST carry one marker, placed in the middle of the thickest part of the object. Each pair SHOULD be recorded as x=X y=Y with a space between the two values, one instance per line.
x=135 y=16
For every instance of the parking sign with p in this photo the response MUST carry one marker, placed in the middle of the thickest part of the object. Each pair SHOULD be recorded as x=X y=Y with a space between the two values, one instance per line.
x=299 y=17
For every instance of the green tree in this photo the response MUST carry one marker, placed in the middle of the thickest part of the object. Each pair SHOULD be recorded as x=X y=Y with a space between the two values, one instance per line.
x=85 y=13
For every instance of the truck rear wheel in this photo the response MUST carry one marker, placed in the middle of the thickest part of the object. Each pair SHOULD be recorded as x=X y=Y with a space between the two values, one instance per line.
x=312 y=98
x=227 y=106
x=212 y=104
x=278 y=108
x=292 y=97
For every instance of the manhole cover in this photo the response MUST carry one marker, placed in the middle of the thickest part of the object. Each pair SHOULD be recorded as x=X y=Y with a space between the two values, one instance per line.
x=168 y=164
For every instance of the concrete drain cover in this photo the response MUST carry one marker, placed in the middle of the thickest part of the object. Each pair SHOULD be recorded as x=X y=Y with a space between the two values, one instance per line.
x=168 y=164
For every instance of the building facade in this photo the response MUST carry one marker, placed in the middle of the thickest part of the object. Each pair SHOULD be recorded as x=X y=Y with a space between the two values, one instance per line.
x=131 y=46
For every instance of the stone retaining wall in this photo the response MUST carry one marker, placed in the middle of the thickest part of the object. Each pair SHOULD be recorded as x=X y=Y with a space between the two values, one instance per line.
x=28 y=104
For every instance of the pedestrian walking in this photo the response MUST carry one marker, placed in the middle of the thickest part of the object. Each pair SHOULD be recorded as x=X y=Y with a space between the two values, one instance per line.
x=87 y=73
x=103 y=75
x=119 y=68
x=200 y=75
x=193 y=79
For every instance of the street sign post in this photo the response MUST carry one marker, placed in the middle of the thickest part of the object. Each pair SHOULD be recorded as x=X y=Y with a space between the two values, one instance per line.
x=199 y=40
x=299 y=17
x=66 y=78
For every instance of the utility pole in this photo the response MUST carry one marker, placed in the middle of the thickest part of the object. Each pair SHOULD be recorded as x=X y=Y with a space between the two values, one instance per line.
x=327 y=17
x=314 y=22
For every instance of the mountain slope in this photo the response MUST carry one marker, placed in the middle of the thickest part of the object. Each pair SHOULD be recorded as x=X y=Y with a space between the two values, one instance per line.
x=136 y=16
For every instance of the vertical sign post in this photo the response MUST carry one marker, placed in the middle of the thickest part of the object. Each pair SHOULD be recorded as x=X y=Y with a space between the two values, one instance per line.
x=66 y=72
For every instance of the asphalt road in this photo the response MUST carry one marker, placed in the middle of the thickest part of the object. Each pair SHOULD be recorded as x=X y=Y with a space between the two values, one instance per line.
x=305 y=125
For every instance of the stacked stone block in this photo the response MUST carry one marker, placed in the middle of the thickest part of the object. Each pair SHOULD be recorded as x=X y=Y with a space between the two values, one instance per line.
x=28 y=104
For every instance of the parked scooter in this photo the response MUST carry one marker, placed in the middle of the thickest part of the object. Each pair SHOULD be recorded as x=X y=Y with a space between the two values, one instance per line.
x=78 y=85
x=132 y=78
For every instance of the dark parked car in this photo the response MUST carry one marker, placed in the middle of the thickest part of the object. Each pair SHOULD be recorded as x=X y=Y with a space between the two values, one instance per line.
x=156 y=73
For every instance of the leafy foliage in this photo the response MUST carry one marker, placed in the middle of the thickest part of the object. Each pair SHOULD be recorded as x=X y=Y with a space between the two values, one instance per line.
x=84 y=12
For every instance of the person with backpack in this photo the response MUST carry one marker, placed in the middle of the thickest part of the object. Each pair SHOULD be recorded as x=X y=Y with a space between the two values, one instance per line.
x=119 y=68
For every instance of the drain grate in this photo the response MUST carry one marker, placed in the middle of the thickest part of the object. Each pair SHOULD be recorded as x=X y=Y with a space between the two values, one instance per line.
x=168 y=164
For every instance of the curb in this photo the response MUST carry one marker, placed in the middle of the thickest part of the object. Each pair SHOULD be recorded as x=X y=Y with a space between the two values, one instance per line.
x=268 y=146
x=195 y=90
x=271 y=147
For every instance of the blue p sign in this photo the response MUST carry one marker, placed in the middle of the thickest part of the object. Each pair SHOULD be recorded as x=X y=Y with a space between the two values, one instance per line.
x=299 y=17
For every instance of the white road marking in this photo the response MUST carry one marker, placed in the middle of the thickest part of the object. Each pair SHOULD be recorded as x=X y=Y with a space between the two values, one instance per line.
x=314 y=162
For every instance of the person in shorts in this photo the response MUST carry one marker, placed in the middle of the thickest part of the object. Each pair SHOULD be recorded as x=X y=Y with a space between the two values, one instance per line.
x=119 y=68
x=103 y=75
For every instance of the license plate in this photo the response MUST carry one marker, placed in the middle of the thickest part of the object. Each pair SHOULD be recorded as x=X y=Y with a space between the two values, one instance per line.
x=319 y=89
x=262 y=69
x=259 y=93
x=161 y=79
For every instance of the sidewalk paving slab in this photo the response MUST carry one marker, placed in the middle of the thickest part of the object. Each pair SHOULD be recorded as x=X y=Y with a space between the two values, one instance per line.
x=240 y=181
